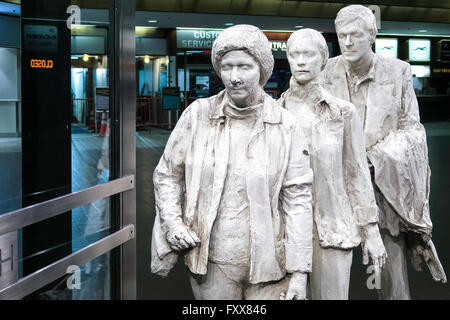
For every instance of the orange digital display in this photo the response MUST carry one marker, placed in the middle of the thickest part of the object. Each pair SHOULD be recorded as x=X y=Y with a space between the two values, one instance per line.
x=41 y=64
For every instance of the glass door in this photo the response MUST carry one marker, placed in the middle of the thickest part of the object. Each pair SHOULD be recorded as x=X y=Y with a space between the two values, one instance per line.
x=67 y=187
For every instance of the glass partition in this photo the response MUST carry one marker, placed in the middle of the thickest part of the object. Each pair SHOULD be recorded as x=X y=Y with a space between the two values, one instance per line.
x=55 y=133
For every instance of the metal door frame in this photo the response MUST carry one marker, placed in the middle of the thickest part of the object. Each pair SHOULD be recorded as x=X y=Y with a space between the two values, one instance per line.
x=121 y=189
x=122 y=43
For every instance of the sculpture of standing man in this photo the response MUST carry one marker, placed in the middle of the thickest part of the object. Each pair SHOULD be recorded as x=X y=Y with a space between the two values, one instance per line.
x=345 y=211
x=233 y=187
x=382 y=92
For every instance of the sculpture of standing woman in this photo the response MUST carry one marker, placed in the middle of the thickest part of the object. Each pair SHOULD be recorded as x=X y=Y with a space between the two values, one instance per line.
x=233 y=187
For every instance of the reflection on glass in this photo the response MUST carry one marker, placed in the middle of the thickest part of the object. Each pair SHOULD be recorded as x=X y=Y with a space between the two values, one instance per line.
x=90 y=153
x=90 y=224
x=71 y=72
x=88 y=282
x=10 y=131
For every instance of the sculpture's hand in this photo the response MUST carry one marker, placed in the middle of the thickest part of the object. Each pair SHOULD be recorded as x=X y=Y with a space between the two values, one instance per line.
x=373 y=248
x=297 y=287
x=181 y=238
x=423 y=250
x=417 y=253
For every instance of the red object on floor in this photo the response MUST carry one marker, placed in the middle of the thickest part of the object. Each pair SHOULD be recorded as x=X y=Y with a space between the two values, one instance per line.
x=104 y=124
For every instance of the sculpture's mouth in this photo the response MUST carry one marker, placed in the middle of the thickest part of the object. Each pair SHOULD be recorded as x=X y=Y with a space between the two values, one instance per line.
x=302 y=71
x=236 y=90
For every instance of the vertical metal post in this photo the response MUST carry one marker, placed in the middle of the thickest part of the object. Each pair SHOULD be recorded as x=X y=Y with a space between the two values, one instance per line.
x=185 y=80
x=123 y=80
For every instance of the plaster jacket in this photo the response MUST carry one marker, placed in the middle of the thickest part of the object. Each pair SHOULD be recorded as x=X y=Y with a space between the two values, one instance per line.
x=189 y=181
x=343 y=197
x=395 y=139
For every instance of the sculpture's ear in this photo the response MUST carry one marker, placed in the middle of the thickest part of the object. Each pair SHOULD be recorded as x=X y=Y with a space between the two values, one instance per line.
x=373 y=35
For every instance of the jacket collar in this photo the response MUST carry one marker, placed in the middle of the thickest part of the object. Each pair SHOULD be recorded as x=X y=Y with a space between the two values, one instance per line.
x=323 y=99
x=341 y=70
x=319 y=93
x=271 y=111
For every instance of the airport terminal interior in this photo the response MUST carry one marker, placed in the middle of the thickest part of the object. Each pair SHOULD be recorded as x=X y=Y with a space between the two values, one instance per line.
x=90 y=92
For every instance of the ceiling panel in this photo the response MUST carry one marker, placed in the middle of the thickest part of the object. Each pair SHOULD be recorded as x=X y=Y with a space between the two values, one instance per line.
x=199 y=20
x=392 y=10
x=442 y=4
x=437 y=11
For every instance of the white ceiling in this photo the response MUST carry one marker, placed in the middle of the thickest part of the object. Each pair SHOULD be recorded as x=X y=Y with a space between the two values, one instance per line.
x=197 y=20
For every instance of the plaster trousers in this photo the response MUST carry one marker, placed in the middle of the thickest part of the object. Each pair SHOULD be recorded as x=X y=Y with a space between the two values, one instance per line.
x=394 y=277
x=330 y=276
x=228 y=282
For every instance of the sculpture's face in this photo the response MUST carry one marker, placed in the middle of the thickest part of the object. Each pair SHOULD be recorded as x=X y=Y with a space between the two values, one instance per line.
x=354 y=40
x=304 y=59
x=240 y=74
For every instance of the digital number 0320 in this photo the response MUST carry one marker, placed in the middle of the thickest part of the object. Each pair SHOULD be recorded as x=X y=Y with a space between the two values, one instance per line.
x=41 y=64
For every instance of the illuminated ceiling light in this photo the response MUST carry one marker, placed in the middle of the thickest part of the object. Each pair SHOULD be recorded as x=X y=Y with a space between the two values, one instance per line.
x=423 y=30
x=191 y=28
x=152 y=21
x=147 y=59
x=298 y=27
x=229 y=23
x=85 y=58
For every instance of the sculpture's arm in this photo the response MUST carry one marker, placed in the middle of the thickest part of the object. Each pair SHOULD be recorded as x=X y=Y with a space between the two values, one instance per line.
x=360 y=190
x=169 y=183
x=408 y=125
x=421 y=246
x=409 y=117
x=296 y=205
x=401 y=165
x=356 y=171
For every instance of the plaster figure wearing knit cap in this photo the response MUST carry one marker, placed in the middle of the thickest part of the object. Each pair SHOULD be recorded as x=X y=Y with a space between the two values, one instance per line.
x=233 y=187
x=396 y=146
x=345 y=211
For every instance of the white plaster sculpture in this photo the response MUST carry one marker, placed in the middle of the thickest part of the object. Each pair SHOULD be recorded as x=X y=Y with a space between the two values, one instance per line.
x=345 y=211
x=233 y=187
x=382 y=91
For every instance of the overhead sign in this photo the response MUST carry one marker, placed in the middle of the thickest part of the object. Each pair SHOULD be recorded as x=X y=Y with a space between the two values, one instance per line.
x=387 y=47
x=40 y=38
x=419 y=50
x=279 y=49
x=445 y=50
x=204 y=39
x=196 y=39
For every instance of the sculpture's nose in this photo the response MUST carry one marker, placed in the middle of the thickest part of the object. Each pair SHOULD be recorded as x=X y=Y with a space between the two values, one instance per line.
x=234 y=78
x=348 y=41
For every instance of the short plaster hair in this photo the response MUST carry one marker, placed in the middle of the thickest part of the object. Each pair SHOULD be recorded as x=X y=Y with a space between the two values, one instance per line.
x=316 y=37
x=249 y=39
x=356 y=11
